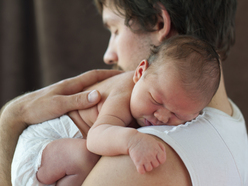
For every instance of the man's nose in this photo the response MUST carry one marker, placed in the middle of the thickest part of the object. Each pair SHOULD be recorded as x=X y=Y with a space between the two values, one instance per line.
x=163 y=115
x=110 y=57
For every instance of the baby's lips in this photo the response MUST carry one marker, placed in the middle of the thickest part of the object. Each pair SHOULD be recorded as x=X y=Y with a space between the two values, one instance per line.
x=148 y=123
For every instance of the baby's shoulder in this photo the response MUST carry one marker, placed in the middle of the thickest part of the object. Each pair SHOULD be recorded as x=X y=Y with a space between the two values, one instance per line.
x=122 y=83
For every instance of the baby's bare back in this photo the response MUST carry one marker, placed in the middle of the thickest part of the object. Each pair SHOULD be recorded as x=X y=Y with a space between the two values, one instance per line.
x=115 y=85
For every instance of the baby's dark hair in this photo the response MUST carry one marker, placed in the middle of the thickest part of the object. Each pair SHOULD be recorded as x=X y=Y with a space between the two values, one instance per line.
x=196 y=62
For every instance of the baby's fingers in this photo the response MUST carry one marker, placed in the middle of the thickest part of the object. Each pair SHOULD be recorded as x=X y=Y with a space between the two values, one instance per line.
x=148 y=167
x=159 y=159
x=161 y=156
x=155 y=163
x=141 y=169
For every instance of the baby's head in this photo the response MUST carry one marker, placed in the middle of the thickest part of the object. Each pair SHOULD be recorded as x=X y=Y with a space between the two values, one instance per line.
x=195 y=62
x=181 y=76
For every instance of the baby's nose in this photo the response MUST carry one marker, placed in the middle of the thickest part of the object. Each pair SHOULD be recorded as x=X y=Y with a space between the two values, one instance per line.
x=162 y=117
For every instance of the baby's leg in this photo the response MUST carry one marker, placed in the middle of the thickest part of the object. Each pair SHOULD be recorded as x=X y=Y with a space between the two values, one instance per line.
x=66 y=161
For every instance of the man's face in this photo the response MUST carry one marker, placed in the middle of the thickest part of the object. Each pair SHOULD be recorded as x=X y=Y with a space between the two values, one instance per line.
x=126 y=48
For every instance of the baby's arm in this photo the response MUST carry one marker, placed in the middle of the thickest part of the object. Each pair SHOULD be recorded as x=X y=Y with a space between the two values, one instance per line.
x=109 y=135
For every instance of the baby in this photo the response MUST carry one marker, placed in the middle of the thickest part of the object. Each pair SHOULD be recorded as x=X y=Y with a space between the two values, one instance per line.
x=171 y=87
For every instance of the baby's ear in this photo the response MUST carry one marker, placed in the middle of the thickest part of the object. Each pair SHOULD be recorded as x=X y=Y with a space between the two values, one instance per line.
x=140 y=70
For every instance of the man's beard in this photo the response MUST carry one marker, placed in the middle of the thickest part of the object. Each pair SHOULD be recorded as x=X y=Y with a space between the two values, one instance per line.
x=116 y=67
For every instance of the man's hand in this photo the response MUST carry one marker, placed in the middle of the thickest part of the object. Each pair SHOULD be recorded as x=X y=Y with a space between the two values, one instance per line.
x=58 y=99
x=146 y=152
x=44 y=104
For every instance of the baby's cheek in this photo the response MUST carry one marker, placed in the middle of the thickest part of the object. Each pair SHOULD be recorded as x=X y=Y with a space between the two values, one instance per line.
x=134 y=109
x=174 y=121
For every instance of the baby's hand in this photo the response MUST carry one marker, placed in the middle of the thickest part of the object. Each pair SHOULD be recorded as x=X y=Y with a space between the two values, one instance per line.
x=146 y=152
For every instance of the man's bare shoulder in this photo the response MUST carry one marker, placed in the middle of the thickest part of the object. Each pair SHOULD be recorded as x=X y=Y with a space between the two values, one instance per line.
x=172 y=173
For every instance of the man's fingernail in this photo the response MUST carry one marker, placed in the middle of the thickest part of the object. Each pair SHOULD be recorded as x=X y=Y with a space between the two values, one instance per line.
x=93 y=96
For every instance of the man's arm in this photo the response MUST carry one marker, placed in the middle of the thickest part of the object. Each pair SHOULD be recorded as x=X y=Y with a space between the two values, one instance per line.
x=47 y=103
x=120 y=170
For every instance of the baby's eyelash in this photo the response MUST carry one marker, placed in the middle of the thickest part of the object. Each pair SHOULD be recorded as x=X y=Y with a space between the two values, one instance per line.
x=155 y=100
x=175 y=115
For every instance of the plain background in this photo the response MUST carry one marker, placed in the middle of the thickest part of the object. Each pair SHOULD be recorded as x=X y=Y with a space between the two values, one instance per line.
x=44 y=41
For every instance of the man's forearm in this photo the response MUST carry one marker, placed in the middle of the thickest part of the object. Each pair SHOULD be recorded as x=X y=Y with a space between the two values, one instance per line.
x=7 y=147
x=10 y=129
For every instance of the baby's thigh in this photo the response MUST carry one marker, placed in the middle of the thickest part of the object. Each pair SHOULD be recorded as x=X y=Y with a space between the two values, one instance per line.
x=66 y=157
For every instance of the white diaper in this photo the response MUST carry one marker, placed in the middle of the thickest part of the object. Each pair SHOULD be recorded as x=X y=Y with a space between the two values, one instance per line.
x=32 y=142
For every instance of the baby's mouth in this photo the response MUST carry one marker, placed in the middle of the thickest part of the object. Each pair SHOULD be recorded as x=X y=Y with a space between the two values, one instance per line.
x=148 y=123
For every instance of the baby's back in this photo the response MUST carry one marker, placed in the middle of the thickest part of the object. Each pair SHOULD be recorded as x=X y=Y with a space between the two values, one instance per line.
x=84 y=119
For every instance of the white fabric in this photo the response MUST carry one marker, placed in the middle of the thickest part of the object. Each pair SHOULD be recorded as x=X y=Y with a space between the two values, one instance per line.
x=31 y=143
x=213 y=147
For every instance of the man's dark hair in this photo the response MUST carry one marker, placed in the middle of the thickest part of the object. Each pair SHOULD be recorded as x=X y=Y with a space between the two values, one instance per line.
x=196 y=63
x=210 y=20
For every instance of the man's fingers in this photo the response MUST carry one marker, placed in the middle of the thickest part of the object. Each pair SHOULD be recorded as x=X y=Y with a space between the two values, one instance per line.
x=93 y=97
x=98 y=75
x=39 y=110
x=82 y=100
x=78 y=83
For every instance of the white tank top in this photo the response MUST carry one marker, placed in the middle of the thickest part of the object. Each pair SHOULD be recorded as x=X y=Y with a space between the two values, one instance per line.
x=213 y=147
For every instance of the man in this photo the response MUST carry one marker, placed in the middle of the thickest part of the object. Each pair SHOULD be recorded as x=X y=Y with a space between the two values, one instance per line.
x=129 y=43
